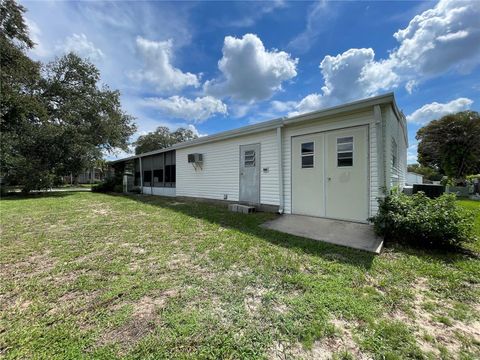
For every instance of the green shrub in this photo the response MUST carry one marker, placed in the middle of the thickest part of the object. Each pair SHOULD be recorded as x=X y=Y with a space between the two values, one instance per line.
x=422 y=221
x=110 y=184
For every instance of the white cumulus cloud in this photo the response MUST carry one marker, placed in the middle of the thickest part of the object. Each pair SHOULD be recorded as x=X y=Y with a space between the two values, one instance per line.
x=444 y=38
x=158 y=69
x=195 y=130
x=251 y=72
x=435 y=110
x=197 y=110
x=79 y=44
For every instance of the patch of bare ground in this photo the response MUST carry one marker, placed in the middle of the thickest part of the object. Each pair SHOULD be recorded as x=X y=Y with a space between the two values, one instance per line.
x=101 y=212
x=32 y=266
x=184 y=262
x=322 y=349
x=427 y=327
x=70 y=302
x=143 y=320
x=219 y=311
x=253 y=299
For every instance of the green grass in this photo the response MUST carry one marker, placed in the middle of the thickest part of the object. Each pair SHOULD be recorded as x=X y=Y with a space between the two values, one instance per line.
x=100 y=276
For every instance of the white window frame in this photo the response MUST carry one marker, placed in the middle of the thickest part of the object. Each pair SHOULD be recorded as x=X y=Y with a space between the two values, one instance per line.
x=252 y=158
x=312 y=154
x=394 y=154
x=345 y=151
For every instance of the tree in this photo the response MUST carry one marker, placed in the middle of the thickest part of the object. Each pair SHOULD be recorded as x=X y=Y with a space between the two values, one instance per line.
x=89 y=118
x=55 y=119
x=162 y=138
x=451 y=144
x=20 y=103
x=427 y=172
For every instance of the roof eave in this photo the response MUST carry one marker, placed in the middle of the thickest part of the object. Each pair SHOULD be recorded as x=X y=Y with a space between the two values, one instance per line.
x=273 y=124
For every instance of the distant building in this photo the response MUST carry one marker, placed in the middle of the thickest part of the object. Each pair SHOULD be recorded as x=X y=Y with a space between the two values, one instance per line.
x=414 y=178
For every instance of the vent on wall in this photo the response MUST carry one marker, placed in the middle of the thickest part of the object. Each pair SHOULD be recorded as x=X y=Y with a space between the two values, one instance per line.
x=196 y=160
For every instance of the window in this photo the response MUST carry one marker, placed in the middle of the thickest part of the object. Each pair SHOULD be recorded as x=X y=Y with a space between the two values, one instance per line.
x=307 y=155
x=345 y=151
x=157 y=165
x=147 y=171
x=250 y=158
x=147 y=177
x=159 y=170
x=137 y=173
x=170 y=170
x=394 y=154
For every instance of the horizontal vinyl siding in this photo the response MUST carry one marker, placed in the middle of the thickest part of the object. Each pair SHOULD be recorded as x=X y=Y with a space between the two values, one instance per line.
x=220 y=171
x=162 y=191
x=373 y=158
x=394 y=130
x=334 y=123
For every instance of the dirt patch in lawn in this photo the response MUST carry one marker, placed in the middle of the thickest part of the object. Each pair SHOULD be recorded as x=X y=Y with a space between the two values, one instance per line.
x=323 y=349
x=426 y=326
x=253 y=299
x=32 y=266
x=143 y=320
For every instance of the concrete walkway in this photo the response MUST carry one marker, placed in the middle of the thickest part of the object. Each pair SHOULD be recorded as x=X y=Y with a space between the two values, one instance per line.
x=345 y=233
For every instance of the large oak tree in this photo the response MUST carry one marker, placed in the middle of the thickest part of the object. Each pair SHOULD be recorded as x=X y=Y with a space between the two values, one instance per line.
x=451 y=144
x=55 y=119
x=162 y=138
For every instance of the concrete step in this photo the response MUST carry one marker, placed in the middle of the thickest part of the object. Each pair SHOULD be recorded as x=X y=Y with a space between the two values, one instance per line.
x=244 y=209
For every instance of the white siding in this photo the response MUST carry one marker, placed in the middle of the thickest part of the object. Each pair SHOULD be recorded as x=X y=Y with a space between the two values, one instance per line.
x=220 y=171
x=374 y=180
x=395 y=129
x=336 y=122
x=162 y=191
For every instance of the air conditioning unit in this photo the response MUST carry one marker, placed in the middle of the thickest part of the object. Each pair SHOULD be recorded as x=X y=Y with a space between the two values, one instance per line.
x=195 y=158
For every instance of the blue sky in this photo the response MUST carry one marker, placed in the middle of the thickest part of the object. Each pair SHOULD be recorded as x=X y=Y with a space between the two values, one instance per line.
x=214 y=66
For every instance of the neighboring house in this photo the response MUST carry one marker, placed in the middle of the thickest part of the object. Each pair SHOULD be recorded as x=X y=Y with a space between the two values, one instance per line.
x=88 y=176
x=414 y=178
x=332 y=163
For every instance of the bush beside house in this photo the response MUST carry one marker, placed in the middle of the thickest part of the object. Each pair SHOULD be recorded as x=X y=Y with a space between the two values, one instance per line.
x=421 y=221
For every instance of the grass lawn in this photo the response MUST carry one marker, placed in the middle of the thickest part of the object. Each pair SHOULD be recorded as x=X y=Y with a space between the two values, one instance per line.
x=102 y=276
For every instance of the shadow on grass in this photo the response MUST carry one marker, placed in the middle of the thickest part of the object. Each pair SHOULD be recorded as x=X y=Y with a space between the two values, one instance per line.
x=250 y=224
x=37 y=195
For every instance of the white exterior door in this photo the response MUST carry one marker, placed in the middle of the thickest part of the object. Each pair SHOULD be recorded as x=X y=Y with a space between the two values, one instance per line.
x=250 y=174
x=330 y=174
x=308 y=175
x=347 y=174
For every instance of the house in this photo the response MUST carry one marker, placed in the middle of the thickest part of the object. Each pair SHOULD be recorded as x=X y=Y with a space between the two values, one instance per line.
x=332 y=163
x=414 y=178
x=87 y=176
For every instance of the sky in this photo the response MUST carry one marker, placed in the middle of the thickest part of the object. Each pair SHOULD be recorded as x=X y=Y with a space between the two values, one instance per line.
x=214 y=66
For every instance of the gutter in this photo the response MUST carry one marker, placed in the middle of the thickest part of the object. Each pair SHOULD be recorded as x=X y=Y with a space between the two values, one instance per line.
x=280 y=169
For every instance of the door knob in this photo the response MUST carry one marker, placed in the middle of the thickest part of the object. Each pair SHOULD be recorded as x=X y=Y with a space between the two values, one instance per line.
x=329 y=178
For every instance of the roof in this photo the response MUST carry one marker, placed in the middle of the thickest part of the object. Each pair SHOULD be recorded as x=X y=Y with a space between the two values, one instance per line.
x=388 y=98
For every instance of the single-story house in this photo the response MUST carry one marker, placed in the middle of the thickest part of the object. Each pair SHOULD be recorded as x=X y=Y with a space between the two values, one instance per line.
x=332 y=163
x=414 y=178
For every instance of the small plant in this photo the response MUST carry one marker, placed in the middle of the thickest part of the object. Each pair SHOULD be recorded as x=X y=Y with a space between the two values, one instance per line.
x=422 y=221
x=110 y=184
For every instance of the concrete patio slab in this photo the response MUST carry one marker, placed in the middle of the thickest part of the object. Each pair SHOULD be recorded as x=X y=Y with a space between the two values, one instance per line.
x=344 y=233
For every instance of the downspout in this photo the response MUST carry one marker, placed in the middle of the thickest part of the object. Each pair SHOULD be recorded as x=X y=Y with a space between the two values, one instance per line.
x=280 y=169
x=381 y=165
x=141 y=175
